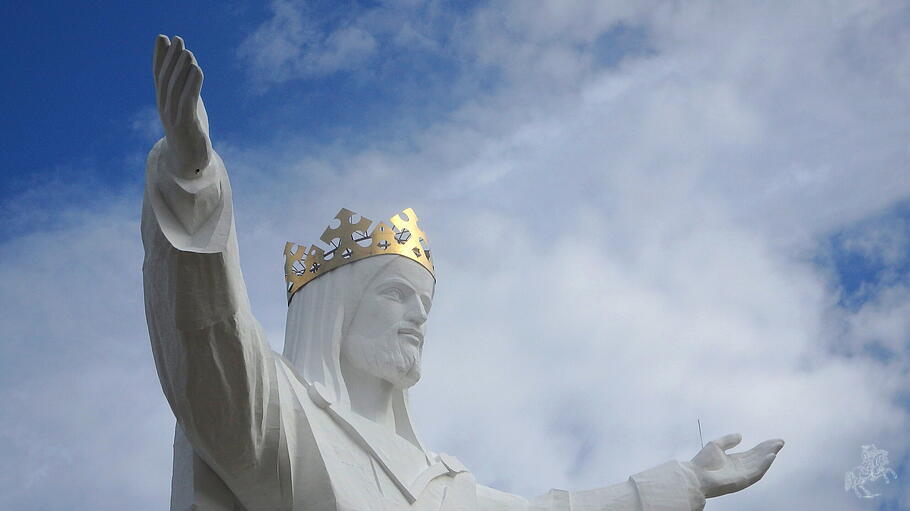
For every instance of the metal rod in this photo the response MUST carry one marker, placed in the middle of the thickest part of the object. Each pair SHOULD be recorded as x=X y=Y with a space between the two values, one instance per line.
x=700 y=439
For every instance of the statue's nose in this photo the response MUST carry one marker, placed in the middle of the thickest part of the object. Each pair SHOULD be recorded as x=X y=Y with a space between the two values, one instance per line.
x=417 y=312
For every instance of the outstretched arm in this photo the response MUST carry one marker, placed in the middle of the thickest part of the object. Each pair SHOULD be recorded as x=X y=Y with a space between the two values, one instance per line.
x=215 y=367
x=668 y=487
x=673 y=486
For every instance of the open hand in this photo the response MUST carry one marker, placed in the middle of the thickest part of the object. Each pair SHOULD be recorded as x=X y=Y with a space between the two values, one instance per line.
x=178 y=80
x=720 y=473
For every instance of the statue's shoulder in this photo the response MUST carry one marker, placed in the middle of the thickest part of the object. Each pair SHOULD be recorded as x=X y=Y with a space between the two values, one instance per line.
x=293 y=388
x=305 y=406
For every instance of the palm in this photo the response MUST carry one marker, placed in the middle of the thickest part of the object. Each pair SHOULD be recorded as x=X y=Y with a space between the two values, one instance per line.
x=178 y=80
x=720 y=473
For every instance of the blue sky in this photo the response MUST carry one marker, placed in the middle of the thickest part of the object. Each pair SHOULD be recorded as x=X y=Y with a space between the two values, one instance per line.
x=79 y=61
x=696 y=211
x=86 y=62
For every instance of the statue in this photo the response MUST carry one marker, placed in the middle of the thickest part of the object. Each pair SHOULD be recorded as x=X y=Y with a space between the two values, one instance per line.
x=326 y=425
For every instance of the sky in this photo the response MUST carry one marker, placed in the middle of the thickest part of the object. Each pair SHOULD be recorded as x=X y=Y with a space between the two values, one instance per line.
x=643 y=215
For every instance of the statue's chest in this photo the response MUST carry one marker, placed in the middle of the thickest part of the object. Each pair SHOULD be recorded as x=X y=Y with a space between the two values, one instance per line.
x=387 y=474
x=360 y=484
x=339 y=461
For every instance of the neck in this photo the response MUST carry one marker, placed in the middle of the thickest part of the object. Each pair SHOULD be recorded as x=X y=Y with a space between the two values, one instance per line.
x=371 y=397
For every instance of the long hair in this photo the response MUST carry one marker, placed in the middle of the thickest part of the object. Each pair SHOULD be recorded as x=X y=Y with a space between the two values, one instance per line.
x=319 y=316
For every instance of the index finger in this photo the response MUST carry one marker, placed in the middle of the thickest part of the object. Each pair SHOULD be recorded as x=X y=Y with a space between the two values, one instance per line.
x=161 y=45
x=772 y=446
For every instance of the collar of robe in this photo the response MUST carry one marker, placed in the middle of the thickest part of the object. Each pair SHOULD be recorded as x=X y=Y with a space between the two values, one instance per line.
x=440 y=464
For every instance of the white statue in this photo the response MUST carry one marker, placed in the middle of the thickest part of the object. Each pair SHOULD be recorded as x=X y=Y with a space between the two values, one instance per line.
x=326 y=425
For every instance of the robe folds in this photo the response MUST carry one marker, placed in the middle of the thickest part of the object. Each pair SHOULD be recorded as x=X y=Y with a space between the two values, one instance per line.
x=253 y=435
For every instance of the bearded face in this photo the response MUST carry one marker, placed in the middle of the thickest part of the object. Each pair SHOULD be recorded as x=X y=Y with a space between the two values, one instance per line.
x=385 y=336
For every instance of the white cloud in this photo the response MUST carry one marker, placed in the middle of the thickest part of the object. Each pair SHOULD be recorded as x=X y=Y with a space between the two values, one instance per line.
x=75 y=428
x=145 y=124
x=292 y=44
x=306 y=40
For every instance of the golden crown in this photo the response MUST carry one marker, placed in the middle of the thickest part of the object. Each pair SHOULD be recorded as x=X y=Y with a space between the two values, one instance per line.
x=351 y=242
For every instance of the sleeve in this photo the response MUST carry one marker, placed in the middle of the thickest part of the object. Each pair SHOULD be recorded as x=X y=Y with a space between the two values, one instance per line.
x=215 y=366
x=667 y=487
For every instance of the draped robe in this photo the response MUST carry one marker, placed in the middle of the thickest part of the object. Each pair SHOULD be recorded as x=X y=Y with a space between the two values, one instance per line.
x=253 y=433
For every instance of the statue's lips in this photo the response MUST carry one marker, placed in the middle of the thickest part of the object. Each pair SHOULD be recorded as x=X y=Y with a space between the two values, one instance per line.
x=414 y=335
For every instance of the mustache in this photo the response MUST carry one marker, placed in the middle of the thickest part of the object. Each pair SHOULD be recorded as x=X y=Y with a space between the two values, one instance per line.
x=410 y=330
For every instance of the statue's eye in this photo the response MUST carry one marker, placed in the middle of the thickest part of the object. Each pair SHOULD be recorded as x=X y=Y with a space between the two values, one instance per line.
x=394 y=293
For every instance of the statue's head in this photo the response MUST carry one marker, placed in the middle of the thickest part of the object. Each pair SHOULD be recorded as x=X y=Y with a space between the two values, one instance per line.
x=367 y=316
x=360 y=306
x=384 y=336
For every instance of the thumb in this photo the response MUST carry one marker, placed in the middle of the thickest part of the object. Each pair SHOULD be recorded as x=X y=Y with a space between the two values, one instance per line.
x=202 y=116
x=710 y=457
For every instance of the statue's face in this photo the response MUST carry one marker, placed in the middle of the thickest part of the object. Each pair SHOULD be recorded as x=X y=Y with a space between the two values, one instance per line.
x=385 y=337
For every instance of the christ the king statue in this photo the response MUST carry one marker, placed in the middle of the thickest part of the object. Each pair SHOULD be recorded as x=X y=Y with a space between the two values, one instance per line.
x=325 y=425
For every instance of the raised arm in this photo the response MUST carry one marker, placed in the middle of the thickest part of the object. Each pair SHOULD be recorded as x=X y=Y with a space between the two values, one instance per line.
x=215 y=366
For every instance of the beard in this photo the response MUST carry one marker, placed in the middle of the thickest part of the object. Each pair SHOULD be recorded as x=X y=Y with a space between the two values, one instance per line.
x=389 y=357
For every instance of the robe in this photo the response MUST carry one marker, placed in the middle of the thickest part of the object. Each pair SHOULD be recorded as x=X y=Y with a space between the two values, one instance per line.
x=252 y=435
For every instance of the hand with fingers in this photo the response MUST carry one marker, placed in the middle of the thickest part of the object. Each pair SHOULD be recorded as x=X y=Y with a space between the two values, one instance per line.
x=720 y=473
x=178 y=80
